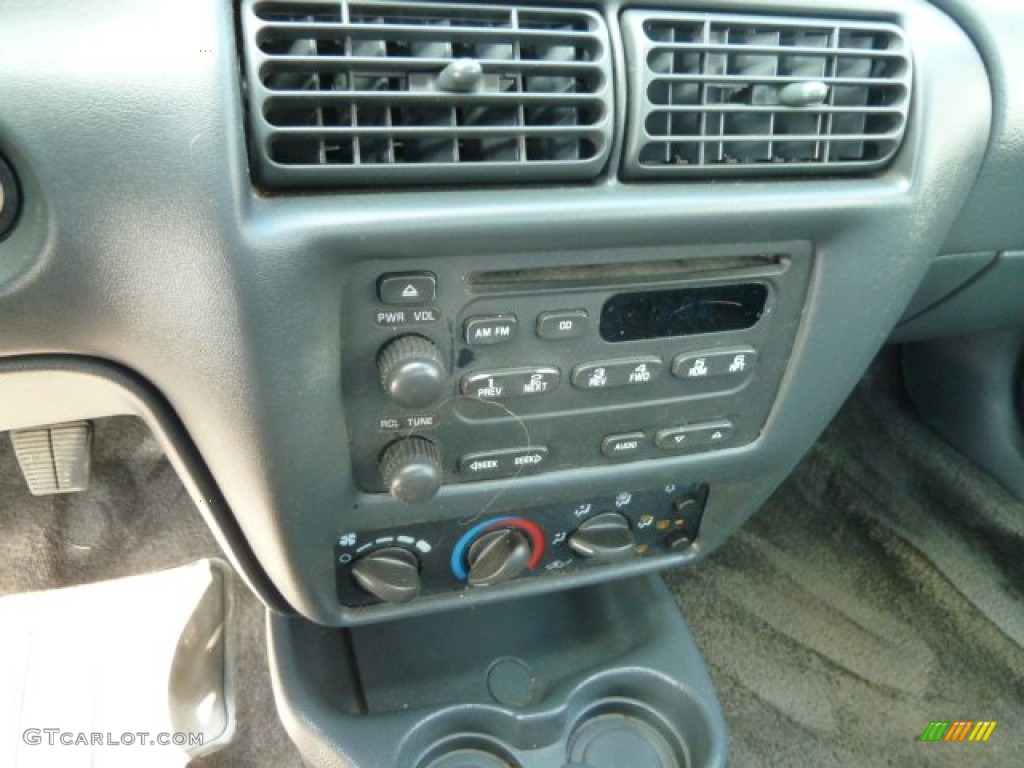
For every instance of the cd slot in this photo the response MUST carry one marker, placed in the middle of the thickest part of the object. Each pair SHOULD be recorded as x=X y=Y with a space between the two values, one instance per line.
x=624 y=274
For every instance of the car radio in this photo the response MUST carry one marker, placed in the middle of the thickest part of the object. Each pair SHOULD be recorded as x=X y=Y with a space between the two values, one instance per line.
x=460 y=374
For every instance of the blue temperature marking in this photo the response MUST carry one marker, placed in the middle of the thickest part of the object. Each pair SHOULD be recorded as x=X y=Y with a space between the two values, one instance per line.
x=458 y=559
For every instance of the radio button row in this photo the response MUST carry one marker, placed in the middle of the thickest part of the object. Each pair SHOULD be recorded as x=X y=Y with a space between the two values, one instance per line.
x=628 y=444
x=504 y=463
x=627 y=372
x=693 y=436
x=490 y=329
x=717 y=362
x=562 y=324
x=511 y=382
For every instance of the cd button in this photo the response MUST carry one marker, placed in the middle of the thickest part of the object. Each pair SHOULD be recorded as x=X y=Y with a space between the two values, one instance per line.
x=562 y=324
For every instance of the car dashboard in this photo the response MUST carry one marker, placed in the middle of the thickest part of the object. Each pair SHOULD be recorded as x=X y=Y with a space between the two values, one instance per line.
x=445 y=306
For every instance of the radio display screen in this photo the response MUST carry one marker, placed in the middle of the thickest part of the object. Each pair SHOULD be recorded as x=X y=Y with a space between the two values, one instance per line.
x=682 y=311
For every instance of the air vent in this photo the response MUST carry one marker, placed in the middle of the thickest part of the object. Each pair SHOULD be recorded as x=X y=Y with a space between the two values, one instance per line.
x=717 y=95
x=404 y=93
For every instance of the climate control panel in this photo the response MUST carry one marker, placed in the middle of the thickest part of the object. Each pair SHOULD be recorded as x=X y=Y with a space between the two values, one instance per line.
x=458 y=375
x=402 y=563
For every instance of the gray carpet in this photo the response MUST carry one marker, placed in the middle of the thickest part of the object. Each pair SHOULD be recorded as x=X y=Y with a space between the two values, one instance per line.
x=879 y=589
x=882 y=587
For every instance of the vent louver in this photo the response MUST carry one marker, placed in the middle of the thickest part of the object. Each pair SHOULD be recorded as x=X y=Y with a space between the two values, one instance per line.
x=716 y=95
x=398 y=93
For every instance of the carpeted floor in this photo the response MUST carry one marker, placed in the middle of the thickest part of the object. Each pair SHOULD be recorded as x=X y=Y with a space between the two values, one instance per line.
x=881 y=588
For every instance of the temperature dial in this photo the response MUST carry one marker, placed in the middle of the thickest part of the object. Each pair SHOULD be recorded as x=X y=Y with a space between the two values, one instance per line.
x=498 y=556
x=495 y=551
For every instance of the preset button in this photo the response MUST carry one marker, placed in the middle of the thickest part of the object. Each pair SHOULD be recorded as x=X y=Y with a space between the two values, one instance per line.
x=627 y=372
x=510 y=382
x=733 y=363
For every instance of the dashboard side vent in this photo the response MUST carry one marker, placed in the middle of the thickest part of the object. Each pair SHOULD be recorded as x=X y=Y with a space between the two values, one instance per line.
x=378 y=92
x=717 y=95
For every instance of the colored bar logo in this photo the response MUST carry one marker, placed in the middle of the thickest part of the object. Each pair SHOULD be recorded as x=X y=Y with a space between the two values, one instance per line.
x=958 y=730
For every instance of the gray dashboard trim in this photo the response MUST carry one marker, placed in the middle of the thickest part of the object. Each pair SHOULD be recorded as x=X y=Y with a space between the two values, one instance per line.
x=143 y=243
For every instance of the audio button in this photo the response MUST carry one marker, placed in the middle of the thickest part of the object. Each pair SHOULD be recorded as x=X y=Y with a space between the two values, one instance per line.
x=615 y=446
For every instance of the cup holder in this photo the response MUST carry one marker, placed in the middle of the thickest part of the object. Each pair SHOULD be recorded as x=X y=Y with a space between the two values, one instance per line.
x=615 y=739
x=625 y=734
x=469 y=753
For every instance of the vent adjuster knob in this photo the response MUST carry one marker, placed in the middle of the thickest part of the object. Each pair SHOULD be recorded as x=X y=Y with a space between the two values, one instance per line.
x=808 y=93
x=461 y=76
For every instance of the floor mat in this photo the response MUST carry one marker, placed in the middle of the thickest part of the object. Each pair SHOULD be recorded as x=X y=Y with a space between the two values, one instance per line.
x=880 y=589
x=135 y=518
x=118 y=673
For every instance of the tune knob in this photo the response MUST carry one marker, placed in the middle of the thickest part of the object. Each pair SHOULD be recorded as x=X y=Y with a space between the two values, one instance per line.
x=605 y=538
x=391 y=575
x=411 y=469
x=412 y=371
x=498 y=556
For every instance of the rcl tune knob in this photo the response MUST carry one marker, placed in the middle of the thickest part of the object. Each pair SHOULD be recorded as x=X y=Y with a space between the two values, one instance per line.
x=391 y=575
x=498 y=556
x=411 y=469
x=412 y=371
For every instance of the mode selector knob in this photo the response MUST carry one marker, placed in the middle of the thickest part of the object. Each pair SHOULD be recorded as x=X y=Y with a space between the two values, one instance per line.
x=498 y=556
x=605 y=538
x=391 y=575
x=411 y=469
x=412 y=371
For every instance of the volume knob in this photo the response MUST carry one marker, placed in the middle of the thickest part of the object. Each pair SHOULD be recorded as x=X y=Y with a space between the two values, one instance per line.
x=411 y=469
x=412 y=371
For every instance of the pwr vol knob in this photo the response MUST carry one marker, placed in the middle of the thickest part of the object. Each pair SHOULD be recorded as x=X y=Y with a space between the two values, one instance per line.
x=412 y=371
x=411 y=469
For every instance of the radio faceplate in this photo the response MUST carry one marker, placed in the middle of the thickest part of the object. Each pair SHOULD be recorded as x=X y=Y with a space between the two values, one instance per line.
x=562 y=360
